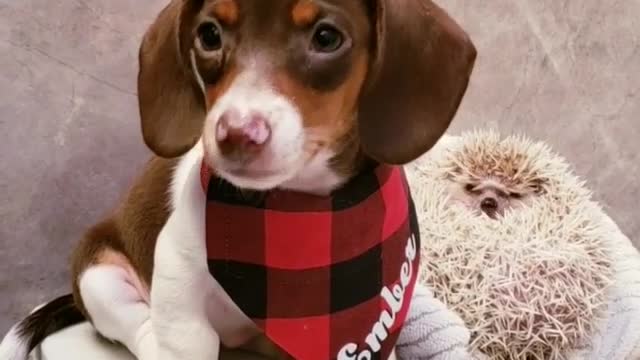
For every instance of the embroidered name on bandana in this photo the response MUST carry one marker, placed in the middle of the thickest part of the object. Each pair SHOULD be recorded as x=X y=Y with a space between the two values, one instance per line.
x=324 y=277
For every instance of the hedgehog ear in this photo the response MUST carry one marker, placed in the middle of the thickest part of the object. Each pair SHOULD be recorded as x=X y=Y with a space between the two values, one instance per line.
x=422 y=65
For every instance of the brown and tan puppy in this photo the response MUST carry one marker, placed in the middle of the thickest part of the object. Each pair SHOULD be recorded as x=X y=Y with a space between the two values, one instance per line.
x=293 y=94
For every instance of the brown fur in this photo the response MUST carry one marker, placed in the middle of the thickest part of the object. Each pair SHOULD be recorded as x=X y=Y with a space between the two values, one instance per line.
x=171 y=125
x=423 y=63
x=214 y=92
x=329 y=116
x=132 y=229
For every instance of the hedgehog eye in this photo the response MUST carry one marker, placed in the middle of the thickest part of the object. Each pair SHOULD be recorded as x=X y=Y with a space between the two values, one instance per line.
x=516 y=195
x=469 y=188
x=537 y=188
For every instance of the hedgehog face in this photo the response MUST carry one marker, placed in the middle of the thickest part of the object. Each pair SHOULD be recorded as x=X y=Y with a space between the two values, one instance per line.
x=491 y=175
x=490 y=196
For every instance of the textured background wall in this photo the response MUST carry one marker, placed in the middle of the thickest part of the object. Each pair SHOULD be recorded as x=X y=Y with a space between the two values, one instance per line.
x=564 y=71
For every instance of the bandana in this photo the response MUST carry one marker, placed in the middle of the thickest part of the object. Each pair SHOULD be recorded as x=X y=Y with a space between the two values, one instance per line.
x=324 y=277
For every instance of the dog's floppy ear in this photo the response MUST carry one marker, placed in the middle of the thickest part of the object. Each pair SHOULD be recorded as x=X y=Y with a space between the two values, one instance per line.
x=172 y=106
x=423 y=61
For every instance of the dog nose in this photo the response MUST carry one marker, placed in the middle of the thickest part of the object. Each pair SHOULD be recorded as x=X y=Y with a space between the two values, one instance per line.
x=242 y=134
x=489 y=205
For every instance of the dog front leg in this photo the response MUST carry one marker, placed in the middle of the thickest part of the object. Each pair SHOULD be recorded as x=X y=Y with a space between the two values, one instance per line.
x=179 y=322
x=182 y=286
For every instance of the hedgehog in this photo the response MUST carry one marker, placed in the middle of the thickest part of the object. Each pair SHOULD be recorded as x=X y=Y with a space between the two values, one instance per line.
x=512 y=244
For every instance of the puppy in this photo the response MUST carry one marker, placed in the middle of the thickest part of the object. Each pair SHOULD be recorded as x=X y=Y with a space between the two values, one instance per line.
x=293 y=95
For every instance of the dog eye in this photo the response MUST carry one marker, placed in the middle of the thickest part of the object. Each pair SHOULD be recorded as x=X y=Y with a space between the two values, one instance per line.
x=327 y=39
x=210 y=37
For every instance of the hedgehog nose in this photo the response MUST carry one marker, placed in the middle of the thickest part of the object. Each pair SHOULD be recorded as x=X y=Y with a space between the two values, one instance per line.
x=489 y=205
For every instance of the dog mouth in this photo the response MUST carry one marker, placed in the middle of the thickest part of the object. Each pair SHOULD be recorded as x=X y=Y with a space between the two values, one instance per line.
x=268 y=171
x=251 y=178
x=249 y=173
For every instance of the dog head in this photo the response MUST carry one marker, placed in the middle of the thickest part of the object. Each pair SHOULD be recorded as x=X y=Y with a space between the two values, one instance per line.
x=273 y=86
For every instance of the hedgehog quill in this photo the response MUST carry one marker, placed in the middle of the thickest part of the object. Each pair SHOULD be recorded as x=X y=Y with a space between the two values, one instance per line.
x=513 y=244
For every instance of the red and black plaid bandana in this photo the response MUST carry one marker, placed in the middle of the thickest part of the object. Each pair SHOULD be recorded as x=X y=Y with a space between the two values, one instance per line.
x=324 y=277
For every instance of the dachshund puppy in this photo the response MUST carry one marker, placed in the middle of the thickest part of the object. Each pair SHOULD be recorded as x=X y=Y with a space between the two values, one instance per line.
x=297 y=96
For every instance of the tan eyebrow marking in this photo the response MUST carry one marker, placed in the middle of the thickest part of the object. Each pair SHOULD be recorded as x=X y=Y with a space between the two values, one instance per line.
x=226 y=11
x=305 y=12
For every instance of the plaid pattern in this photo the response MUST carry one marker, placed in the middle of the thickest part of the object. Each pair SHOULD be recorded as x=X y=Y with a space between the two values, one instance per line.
x=324 y=277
